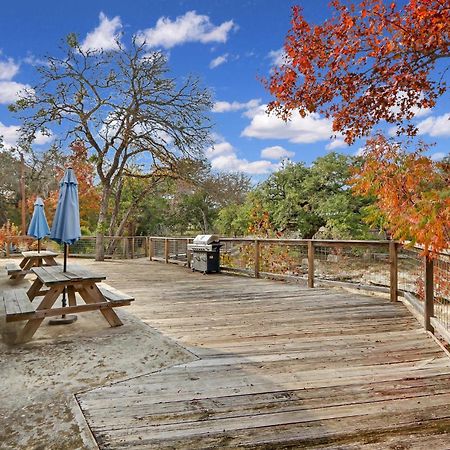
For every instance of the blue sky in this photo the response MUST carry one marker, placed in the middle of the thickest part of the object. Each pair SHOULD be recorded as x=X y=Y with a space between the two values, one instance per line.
x=229 y=44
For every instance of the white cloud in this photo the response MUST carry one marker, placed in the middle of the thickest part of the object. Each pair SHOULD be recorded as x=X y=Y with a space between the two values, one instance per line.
x=421 y=112
x=276 y=152
x=435 y=126
x=33 y=60
x=300 y=130
x=222 y=106
x=42 y=139
x=336 y=143
x=10 y=134
x=232 y=163
x=103 y=37
x=277 y=57
x=221 y=148
x=8 y=69
x=438 y=156
x=9 y=91
x=218 y=61
x=402 y=98
x=191 y=27
x=223 y=157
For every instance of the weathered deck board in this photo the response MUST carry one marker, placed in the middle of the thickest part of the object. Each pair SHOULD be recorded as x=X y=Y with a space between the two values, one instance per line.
x=279 y=366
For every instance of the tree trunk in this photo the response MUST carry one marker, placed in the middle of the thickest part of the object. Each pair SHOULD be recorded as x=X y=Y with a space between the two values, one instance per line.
x=205 y=222
x=120 y=228
x=101 y=226
x=115 y=212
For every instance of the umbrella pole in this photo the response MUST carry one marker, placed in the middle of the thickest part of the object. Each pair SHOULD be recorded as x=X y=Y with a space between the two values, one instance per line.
x=63 y=320
x=65 y=257
x=64 y=270
x=39 y=251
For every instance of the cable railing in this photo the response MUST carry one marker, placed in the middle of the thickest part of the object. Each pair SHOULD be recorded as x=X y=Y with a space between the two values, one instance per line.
x=114 y=247
x=386 y=267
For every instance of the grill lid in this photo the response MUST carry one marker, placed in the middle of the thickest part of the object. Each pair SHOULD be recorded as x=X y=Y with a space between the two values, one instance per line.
x=205 y=239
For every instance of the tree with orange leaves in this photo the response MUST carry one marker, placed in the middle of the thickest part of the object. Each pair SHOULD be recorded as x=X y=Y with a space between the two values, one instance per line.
x=412 y=191
x=88 y=193
x=370 y=62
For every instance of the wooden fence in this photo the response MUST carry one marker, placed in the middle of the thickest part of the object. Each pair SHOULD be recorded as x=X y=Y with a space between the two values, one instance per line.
x=386 y=267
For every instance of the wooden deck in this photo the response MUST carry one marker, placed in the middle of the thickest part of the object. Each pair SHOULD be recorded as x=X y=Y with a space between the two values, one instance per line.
x=278 y=366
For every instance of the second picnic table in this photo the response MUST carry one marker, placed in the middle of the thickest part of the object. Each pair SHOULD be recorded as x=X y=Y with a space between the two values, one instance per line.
x=31 y=259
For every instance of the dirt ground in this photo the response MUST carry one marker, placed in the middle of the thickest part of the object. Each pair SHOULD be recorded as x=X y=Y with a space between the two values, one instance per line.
x=38 y=409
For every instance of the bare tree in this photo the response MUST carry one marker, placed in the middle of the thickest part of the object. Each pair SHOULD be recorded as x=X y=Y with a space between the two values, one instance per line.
x=124 y=106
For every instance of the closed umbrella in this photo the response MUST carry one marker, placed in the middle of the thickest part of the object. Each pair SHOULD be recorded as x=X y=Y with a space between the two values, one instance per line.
x=38 y=227
x=66 y=223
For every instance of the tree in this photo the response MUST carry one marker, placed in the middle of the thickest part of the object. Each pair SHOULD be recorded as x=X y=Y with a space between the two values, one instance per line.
x=368 y=63
x=197 y=202
x=371 y=63
x=40 y=178
x=413 y=192
x=302 y=199
x=88 y=194
x=298 y=201
x=234 y=219
x=122 y=104
x=9 y=188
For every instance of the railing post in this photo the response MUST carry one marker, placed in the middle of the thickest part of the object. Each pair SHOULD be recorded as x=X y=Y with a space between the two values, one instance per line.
x=133 y=241
x=188 y=254
x=125 y=247
x=150 y=249
x=7 y=244
x=310 y=264
x=166 y=250
x=393 y=278
x=257 y=257
x=429 y=294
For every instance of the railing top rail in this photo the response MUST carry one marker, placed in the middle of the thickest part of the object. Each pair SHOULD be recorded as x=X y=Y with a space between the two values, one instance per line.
x=178 y=238
x=314 y=241
x=324 y=242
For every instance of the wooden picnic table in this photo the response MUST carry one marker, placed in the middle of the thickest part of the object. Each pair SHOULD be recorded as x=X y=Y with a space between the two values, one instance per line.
x=31 y=259
x=50 y=283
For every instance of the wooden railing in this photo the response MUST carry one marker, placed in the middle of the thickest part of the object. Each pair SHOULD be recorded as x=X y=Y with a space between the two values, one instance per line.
x=386 y=267
x=117 y=247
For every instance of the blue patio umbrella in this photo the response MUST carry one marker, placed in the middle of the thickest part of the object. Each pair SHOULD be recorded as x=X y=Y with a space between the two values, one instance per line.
x=66 y=223
x=38 y=227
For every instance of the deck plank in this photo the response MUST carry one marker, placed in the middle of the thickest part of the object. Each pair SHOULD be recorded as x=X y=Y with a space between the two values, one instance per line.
x=279 y=366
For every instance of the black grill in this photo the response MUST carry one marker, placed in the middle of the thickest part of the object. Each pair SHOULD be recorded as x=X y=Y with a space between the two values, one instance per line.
x=205 y=253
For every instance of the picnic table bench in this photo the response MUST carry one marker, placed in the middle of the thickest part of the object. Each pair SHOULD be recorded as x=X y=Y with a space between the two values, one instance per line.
x=20 y=304
x=30 y=259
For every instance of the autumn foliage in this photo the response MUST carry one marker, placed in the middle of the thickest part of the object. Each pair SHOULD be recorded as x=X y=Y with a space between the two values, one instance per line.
x=88 y=194
x=412 y=192
x=370 y=62
x=9 y=234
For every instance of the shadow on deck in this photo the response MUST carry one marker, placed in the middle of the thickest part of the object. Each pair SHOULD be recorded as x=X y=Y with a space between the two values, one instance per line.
x=278 y=366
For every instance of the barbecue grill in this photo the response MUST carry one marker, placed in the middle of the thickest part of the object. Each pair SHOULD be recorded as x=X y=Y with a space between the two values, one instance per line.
x=205 y=253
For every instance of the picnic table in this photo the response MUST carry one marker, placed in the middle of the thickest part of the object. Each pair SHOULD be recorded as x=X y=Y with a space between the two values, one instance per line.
x=50 y=283
x=31 y=259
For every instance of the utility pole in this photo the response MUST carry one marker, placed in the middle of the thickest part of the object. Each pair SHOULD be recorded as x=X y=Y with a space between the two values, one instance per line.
x=22 y=194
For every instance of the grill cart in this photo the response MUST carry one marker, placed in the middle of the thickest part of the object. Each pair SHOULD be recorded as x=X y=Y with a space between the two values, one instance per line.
x=205 y=253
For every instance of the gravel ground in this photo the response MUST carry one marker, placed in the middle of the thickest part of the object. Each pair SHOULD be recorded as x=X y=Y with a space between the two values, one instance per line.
x=38 y=409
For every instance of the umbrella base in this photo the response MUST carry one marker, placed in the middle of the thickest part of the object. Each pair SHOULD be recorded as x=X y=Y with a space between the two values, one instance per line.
x=63 y=320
